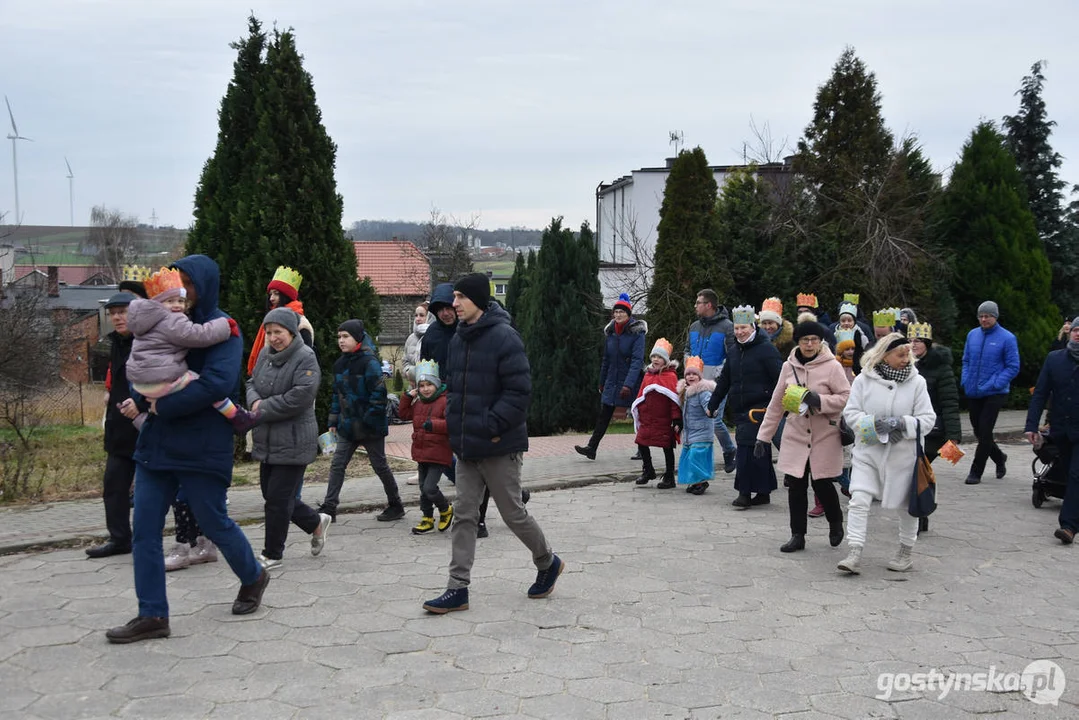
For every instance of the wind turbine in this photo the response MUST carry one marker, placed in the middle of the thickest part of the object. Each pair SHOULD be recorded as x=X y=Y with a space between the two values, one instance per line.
x=14 y=137
x=70 y=190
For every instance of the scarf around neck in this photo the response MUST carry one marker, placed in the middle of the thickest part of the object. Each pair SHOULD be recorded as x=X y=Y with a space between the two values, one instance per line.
x=1073 y=350
x=887 y=372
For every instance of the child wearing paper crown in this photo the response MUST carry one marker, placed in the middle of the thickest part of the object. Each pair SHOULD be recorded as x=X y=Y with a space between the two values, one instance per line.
x=163 y=335
x=425 y=406
x=657 y=414
x=695 y=467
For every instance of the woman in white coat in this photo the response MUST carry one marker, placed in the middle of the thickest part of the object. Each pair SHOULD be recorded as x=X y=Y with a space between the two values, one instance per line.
x=888 y=403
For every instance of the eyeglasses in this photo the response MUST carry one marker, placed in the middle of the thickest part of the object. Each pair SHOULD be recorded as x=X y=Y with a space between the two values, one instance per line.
x=809 y=341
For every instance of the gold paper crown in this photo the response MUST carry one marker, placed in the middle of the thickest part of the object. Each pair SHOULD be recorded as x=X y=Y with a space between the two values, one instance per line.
x=288 y=276
x=162 y=281
x=695 y=363
x=852 y=298
x=806 y=300
x=920 y=331
x=773 y=304
x=885 y=317
x=793 y=396
x=743 y=315
x=136 y=273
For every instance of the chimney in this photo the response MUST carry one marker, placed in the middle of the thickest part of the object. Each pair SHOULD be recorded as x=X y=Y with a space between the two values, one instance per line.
x=52 y=284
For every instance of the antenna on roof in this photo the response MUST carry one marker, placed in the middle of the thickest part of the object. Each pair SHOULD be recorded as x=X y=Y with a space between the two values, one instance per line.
x=676 y=139
x=70 y=190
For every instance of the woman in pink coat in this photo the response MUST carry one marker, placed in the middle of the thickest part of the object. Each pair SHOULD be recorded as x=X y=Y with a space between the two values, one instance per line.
x=811 y=450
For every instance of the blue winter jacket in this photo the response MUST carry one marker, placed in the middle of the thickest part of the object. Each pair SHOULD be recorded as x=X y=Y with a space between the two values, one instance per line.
x=708 y=339
x=990 y=362
x=1059 y=380
x=489 y=388
x=187 y=434
x=435 y=344
x=358 y=405
x=623 y=359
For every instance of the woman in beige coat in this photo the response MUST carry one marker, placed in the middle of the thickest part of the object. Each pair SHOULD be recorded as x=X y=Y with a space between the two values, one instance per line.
x=811 y=451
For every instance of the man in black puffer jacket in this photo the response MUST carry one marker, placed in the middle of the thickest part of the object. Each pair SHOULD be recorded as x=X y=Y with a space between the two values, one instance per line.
x=489 y=388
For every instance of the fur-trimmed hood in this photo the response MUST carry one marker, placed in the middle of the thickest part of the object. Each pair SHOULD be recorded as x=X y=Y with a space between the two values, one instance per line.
x=701 y=386
x=634 y=326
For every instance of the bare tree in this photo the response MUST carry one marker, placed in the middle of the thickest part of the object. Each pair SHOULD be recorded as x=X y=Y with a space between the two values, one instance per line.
x=115 y=238
x=446 y=241
x=763 y=149
x=633 y=274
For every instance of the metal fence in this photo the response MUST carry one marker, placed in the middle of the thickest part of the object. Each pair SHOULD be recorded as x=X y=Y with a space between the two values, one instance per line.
x=58 y=403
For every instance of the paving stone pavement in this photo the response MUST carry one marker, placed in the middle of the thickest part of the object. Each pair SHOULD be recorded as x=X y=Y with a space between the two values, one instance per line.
x=671 y=606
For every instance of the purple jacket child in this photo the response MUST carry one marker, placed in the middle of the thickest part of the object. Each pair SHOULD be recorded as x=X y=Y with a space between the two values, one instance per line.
x=162 y=339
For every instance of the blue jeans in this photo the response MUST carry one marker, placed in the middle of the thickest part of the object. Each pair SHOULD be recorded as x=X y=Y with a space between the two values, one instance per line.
x=154 y=493
x=722 y=433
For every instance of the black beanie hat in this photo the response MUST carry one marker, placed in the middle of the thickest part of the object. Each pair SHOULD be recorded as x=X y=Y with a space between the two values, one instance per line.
x=803 y=329
x=476 y=287
x=354 y=328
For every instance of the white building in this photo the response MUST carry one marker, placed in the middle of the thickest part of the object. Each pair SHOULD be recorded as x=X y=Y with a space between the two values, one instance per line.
x=627 y=221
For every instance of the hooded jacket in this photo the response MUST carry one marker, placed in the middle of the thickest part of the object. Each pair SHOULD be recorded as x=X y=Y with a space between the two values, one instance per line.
x=698 y=427
x=490 y=387
x=1059 y=380
x=187 y=434
x=162 y=339
x=990 y=362
x=887 y=466
x=120 y=433
x=358 y=404
x=285 y=384
x=707 y=339
x=812 y=438
x=436 y=341
x=412 y=348
x=747 y=381
x=623 y=358
x=936 y=368
x=428 y=446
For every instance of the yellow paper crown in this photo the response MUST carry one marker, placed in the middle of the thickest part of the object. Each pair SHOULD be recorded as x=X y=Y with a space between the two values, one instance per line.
x=885 y=317
x=162 y=281
x=793 y=396
x=136 y=273
x=920 y=331
x=852 y=298
x=695 y=363
x=806 y=300
x=773 y=304
x=288 y=276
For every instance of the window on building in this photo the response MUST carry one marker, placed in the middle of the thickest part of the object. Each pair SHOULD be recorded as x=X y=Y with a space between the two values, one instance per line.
x=500 y=288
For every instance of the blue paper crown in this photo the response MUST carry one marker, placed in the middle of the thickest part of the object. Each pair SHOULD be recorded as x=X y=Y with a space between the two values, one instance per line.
x=428 y=370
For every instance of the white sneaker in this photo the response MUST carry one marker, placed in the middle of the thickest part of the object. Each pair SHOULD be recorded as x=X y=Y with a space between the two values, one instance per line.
x=414 y=480
x=204 y=552
x=268 y=563
x=178 y=557
x=318 y=538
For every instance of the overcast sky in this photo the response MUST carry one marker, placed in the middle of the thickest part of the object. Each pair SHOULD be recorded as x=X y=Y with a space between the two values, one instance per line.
x=509 y=111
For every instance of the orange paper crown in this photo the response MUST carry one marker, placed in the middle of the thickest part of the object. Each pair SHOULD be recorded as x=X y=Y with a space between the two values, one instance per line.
x=663 y=349
x=773 y=304
x=806 y=300
x=164 y=281
x=696 y=364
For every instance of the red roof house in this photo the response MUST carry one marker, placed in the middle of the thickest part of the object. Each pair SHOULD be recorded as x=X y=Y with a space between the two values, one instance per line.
x=401 y=275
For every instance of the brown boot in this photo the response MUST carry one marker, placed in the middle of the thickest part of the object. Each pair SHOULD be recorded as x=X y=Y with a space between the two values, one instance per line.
x=250 y=596
x=140 y=628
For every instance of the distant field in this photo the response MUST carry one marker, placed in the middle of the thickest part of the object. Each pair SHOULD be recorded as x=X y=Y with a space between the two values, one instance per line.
x=498 y=267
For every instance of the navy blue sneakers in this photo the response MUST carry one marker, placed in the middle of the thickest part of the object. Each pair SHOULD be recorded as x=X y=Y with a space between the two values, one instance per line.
x=449 y=601
x=545 y=579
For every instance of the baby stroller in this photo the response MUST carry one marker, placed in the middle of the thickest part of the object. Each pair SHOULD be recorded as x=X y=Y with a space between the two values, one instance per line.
x=1049 y=480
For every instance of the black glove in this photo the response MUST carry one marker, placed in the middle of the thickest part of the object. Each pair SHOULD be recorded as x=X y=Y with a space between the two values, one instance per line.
x=625 y=392
x=677 y=425
x=428 y=426
x=761 y=450
x=812 y=399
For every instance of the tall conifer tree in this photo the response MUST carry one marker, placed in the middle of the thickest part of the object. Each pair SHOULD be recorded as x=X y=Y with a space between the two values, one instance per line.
x=560 y=328
x=984 y=219
x=1027 y=137
x=686 y=259
x=281 y=203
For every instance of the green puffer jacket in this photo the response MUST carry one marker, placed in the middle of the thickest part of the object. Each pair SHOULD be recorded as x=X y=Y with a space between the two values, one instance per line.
x=936 y=368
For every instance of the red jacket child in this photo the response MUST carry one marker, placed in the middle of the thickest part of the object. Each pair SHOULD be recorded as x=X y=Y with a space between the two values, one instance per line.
x=433 y=445
x=657 y=416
